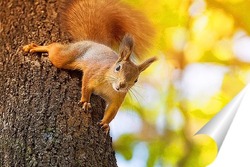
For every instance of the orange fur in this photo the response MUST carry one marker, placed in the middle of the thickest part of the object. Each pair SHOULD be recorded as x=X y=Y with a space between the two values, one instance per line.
x=106 y=73
x=66 y=59
x=106 y=22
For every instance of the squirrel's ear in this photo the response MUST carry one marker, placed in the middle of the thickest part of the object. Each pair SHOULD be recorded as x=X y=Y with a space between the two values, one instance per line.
x=146 y=64
x=126 y=47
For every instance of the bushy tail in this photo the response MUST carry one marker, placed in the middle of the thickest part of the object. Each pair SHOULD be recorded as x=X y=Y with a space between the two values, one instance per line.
x=106 y=22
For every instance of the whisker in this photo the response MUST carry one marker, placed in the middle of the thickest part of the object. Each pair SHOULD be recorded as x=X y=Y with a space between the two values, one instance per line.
x=107 y=78
x=130 y=96
x=138 y=86
x=136 y=91
x=111 y=78
x=134 y=95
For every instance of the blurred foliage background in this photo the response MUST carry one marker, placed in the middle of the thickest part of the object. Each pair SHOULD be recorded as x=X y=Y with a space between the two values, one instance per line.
x=203 y=48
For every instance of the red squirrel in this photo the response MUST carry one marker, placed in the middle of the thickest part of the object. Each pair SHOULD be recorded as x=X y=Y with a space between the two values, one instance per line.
x=97 y=26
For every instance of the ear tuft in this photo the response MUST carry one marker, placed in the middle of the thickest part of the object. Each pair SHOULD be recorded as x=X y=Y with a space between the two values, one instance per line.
x=126 y=47
x=146 y=64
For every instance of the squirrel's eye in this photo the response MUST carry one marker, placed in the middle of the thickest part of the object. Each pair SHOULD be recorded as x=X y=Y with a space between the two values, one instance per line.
x=136 y=80
x=118 y=68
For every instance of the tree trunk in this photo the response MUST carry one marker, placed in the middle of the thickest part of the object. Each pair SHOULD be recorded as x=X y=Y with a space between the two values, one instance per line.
x=41 y=123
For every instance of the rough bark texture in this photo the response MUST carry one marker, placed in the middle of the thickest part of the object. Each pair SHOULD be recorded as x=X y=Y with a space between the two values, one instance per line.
x=41 y=123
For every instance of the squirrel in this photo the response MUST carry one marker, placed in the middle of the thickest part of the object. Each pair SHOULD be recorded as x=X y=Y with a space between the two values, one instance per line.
x=98 y=27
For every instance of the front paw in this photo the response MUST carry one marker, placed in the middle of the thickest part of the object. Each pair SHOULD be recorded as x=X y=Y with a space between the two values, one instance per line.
x=105 y=127
x=85 y=105
x=29 y=47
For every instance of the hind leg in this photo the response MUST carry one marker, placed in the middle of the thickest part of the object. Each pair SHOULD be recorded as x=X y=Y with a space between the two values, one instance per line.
x=61 y=56
x=55 y=53
x=35 y=48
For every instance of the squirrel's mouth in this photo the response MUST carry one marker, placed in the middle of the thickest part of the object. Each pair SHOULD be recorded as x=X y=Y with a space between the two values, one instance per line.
x=118 y=89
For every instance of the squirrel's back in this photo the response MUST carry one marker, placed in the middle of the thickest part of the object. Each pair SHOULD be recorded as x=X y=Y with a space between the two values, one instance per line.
x=106 y=22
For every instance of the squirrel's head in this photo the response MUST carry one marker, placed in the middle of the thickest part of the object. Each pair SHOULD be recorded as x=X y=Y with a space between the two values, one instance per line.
x=124 y=72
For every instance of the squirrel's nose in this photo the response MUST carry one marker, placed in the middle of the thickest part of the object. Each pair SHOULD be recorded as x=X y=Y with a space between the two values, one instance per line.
x=122 y=85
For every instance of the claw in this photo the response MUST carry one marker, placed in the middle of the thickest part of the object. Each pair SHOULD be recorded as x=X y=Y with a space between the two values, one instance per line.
x=85 y=105
x=105 y=127
x=29 y=47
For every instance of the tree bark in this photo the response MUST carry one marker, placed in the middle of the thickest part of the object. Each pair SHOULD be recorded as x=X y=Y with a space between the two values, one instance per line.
x=41 y=123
